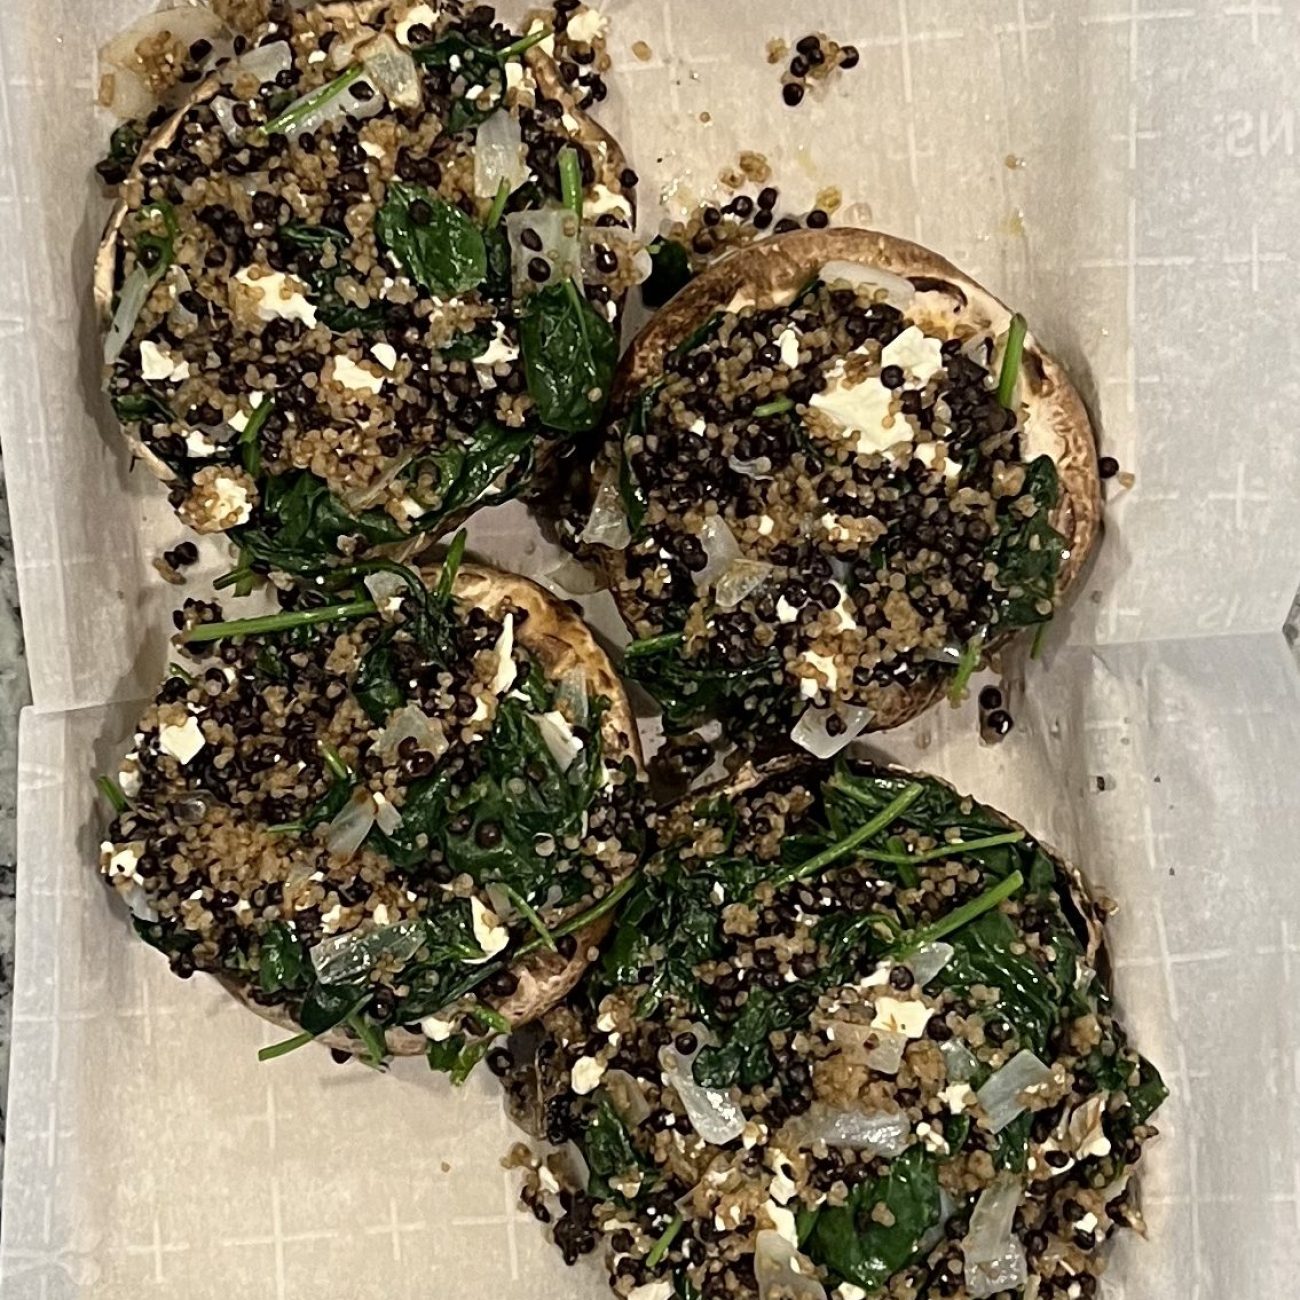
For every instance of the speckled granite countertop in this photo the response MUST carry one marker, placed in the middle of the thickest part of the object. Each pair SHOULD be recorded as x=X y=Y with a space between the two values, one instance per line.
x=13 y=694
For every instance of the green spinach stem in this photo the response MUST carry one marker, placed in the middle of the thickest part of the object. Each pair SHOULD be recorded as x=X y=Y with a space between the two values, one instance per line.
x=303 y=108
x=278 y=622
x=1011 y=359
x=337 y=767
x=779 y=406
x=113 y=793
x=970 y=658
x=652 y=645
x=962 y=916
x=498 y=205
x=942 y=850
x=250 y=449
x=850 y=842
x=571 y=181
x=584 y=919
x=1040 y=639
x=284 y=1047
x=660 y=1248
x=175 y=670
x=529 y=913
x=522 y=45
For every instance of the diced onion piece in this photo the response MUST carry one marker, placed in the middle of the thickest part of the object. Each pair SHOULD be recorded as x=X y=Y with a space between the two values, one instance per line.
x=387 y=818
x=180 y=315
x=742 y=578
x=392 y=70
x=898 y=291
x=265 y=62
x=959 y=1060
x=995 y=1258
x=349 y=958
x=881 y=1049
x=607 y=524
x=387 y=590
x=137 y=899
x=224 y=111
x=350 y=826
x=887 y=1055
x=877 y=1132
x=713 y=1115
x=572 y=576
x=626 y=1093
x=557 y=228
x=411 y=723
x=334 y=108
x=781 y=1272
x=1002 y=1092
x=571 y=697
x=926 y=962
x=499 y=156
x=130 y=303
x=132 y=96
x=810 y=731
x=721 y=548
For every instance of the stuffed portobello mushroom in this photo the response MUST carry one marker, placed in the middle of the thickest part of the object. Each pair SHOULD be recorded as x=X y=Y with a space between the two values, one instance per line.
x=394 y=816
x=850 y=1036
x=840 y=473
x=365 y=279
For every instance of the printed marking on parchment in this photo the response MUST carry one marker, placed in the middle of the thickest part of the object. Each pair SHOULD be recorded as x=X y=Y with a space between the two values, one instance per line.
x=1257 y=132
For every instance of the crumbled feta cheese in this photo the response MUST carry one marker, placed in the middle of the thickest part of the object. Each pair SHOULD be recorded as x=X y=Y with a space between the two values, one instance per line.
x=603 y=200
x=506 y=670
x=371 y=149
x=586 y=1075
x=878 y=977
x=197 y=445
x=411 y=508
x=931 y=1137
x=652 y=1291
x=782 y=1187
x=182 y=742
x=783 y=1221
x=330 y=920
x=119 y=862
x=232 y=499
x=417 y=16
x=928 y=453
x=489 y=933
x=475 y=91
x=957 y=1097
x=380 y=914
x=587 y=26
x=605 y=1022
x=899 y=1017
x=547 y=44
x=848 y=1291
x=1088 y=1223
x=765 y=525
x=519 y=77
x=238 y=422
x=825 y=665
x=385 y=354
x=355 y=377
x=157 y=363
x=437 y=1030
x=559 y=738
x=317 y=56
x=785 y=612
x=279 y=297
x=129 y=779
x=699 y=426
x=918 y=354
x=844 y=610
x=864 y=409
x=788 y=342
x=500 y=349
x=549 y=1183
x=717 y=893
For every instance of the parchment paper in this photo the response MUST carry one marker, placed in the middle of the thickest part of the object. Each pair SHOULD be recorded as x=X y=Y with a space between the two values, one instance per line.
x=1124 y=174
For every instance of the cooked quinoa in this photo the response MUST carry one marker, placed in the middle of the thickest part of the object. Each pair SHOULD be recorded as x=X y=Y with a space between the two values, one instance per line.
x=392 y=803
x=814 y=505
x=832 y=1052
x=356 y=256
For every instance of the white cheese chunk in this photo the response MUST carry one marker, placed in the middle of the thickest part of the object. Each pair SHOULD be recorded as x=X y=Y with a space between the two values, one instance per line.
x=864 y=410
x=371 y=149
x=559 y=738
x=587 y=26
x=279 y=296
x=157 y=363
x=182 y=742
x=919 y=355
x=788 y=342
x=385 y=354
x=197 y=445
x=785 y=612
x=928 y=454
x=765 y=525
x=437 y=1030
x=499 y=350
x=120 y=862
x=586 y=1075
x=350 y=375
x=957 y=1097
x=825 y=665
x=506 y=670
x=652 y=1291
x=421 y=15
x=232 y=499
x=489 y=933
x=603 y=200
x=783 y=1221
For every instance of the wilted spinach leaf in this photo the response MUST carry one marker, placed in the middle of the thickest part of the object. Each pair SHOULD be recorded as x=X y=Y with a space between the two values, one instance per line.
x=283 y=961
x=607 y=1148
x=1029 y=552
x=440 y=247
x=670 y=271
x=466 y=471
x=326 y=1006
x=569 y=352
x=854 y=1246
